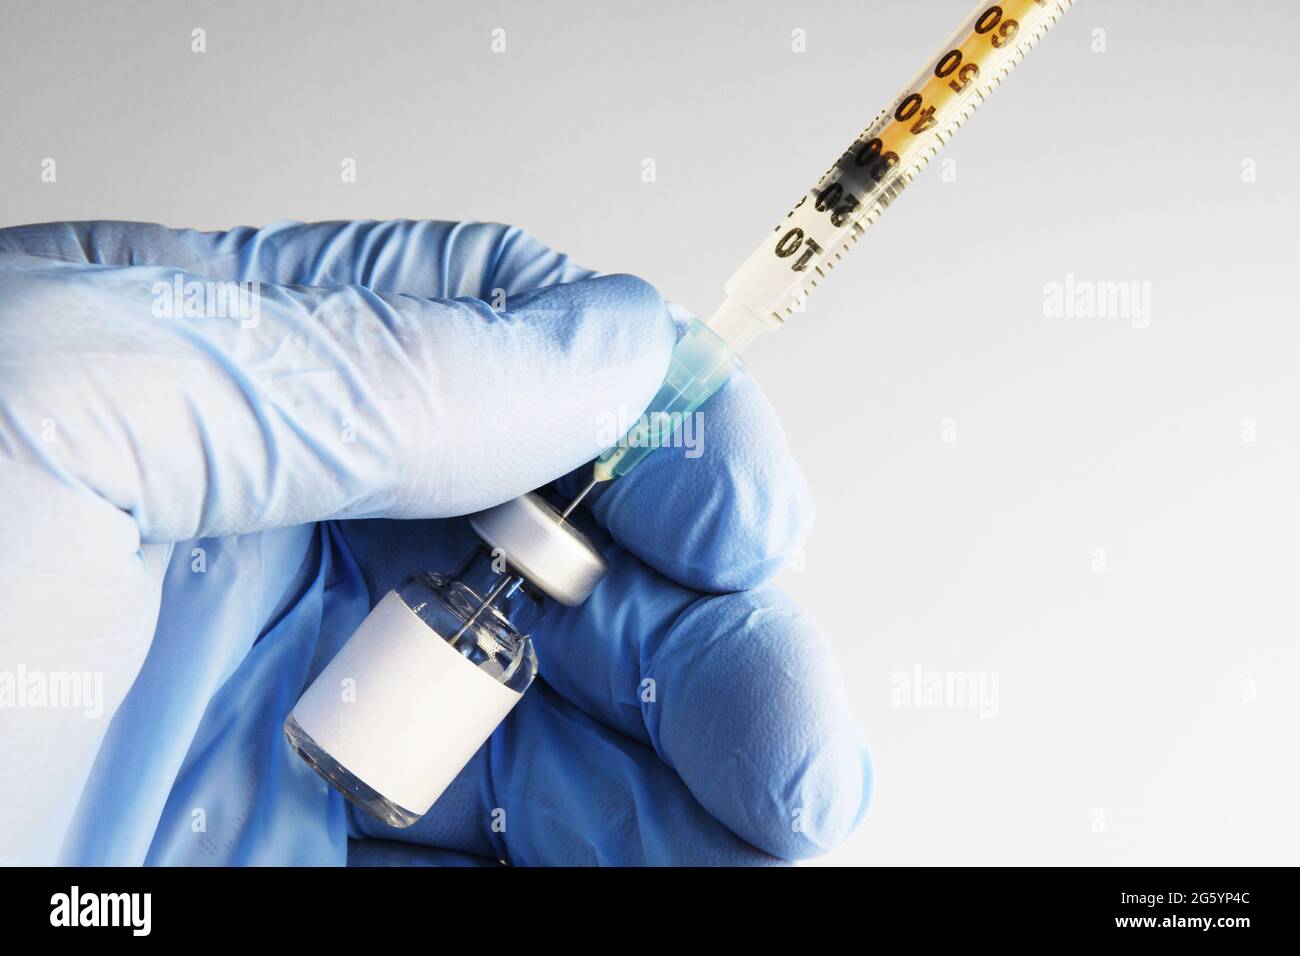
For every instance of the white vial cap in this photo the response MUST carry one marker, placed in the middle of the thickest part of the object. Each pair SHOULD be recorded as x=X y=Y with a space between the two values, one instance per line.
x=550 y=552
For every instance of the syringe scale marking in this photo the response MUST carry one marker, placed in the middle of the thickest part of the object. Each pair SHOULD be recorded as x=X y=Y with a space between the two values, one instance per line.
x=812 y=238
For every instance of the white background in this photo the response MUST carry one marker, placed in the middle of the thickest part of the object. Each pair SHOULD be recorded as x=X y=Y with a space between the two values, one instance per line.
x=1146 y=714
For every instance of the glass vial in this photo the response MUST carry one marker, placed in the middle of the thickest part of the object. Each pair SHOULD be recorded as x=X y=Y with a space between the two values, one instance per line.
x=419 y=686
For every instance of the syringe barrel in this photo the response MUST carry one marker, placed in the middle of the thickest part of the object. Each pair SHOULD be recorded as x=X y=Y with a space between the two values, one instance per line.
x=827 y=221
x=830 y=217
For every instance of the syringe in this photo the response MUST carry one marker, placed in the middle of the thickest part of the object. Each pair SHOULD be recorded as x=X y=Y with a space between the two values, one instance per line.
x=828 y=220
x=450 y=655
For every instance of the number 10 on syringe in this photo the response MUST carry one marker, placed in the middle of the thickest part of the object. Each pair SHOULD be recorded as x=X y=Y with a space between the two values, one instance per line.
x=884 y=158
x=827 y=220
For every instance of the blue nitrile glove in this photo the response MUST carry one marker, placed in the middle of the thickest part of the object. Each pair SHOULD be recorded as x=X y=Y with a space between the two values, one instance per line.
x=180 y=496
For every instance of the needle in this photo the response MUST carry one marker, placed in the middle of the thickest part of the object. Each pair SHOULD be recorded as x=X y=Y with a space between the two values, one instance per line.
x=492 y=596
x=578 y=500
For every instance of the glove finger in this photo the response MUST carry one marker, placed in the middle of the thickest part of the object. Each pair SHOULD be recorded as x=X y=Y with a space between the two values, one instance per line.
x=724 y=511
x=427 y=259
x=554 y=787
x=547 y=755
x=739 y=693
x=729 y=509
x=312 y=403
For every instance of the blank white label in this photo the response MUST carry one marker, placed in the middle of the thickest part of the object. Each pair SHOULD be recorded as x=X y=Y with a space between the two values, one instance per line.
x=400 y=709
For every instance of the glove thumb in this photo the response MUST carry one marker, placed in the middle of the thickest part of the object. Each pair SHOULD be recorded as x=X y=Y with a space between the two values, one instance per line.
x=308 y=404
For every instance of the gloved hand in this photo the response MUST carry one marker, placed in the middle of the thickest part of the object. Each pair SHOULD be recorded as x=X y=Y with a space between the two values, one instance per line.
x=180 y=527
